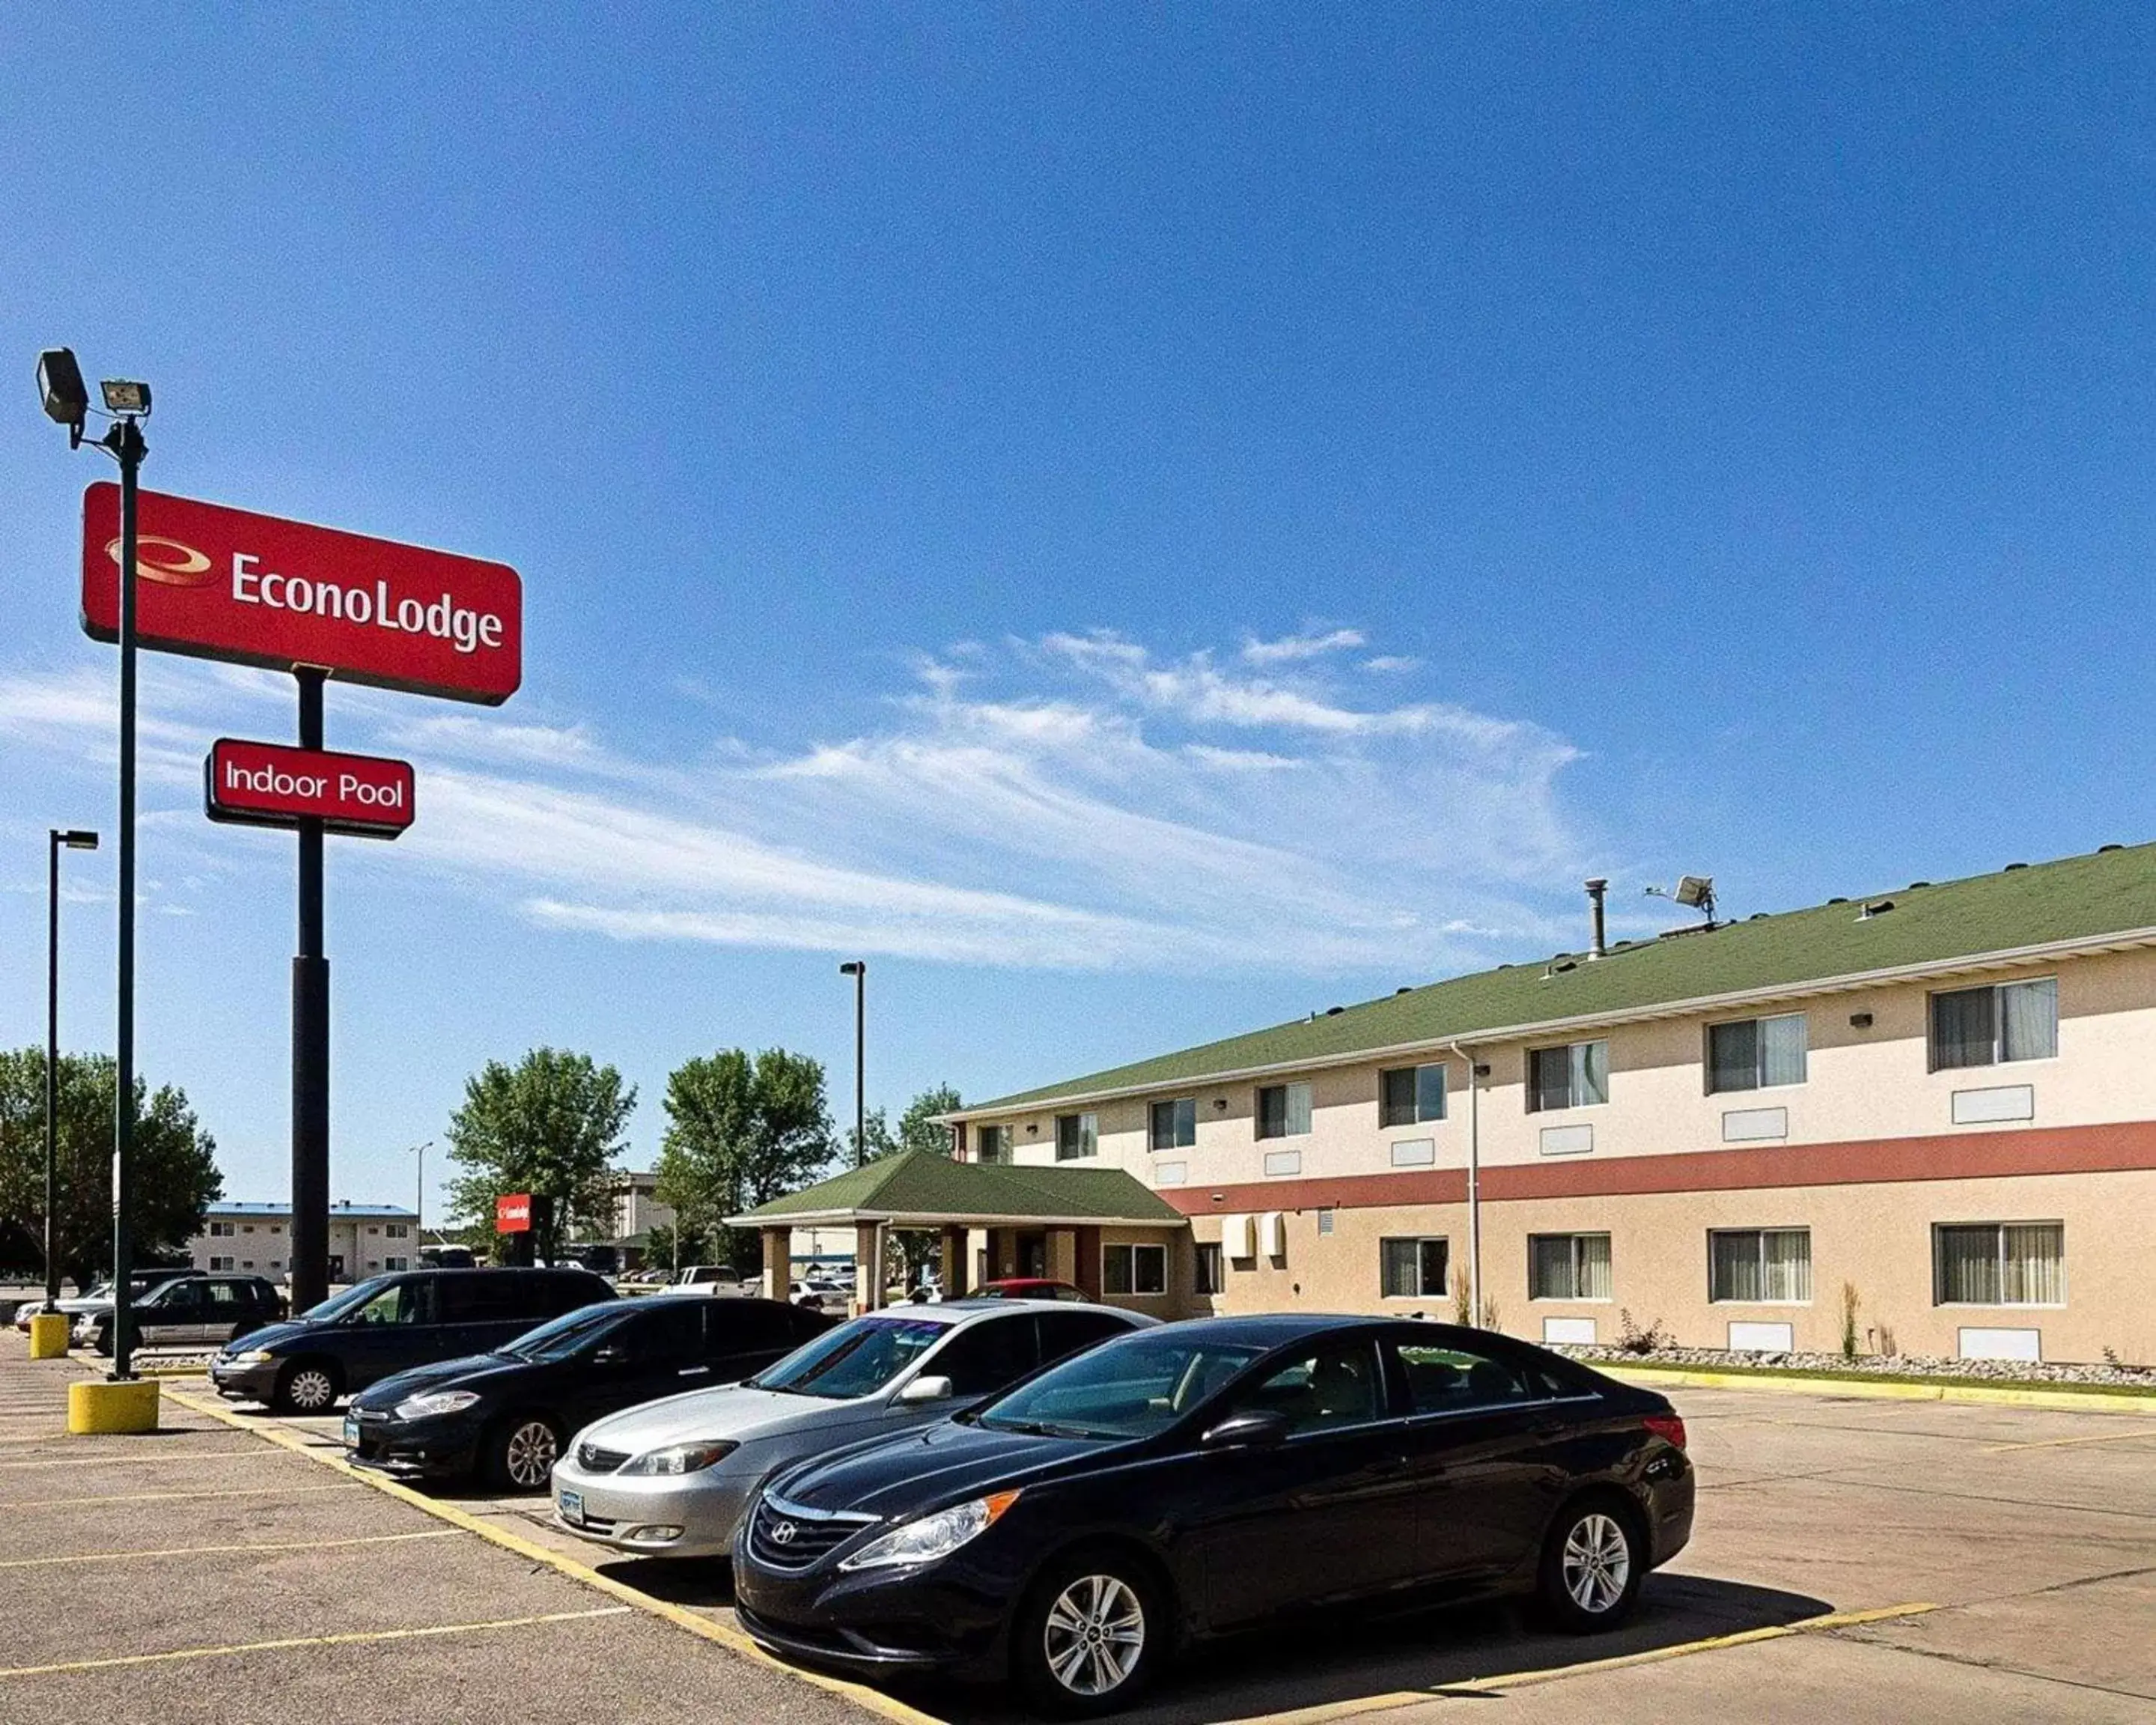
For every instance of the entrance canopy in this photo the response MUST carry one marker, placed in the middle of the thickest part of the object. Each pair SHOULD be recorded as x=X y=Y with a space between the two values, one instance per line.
x=919 y=1188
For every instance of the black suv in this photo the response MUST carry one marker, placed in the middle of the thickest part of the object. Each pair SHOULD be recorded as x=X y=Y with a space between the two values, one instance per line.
x=391 y=1323
x=189 y=1311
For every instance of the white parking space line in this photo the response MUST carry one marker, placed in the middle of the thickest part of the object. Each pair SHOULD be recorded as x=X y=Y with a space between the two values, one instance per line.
x=162 y=1496
x=208 y=1551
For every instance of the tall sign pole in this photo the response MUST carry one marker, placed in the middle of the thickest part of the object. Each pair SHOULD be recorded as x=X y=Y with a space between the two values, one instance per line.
x=126 y=438
x=310 y=1042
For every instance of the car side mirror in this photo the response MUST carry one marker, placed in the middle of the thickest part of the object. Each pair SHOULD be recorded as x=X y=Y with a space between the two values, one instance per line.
x=928 y=1387
x=1253 y=1429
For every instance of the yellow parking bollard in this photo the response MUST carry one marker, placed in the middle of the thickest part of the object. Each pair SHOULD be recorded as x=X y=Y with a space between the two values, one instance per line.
x=48 y=1335
x=105 y=1405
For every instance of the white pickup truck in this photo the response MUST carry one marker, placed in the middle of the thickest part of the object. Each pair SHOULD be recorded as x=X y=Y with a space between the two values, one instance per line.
x=706 y=1278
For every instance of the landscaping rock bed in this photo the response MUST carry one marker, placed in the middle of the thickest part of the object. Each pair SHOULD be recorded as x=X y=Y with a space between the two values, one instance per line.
x=1895 y=1365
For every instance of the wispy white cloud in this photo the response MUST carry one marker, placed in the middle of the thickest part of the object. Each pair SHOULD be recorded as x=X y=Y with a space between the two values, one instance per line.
x=1391 y=662
x=1070 y=801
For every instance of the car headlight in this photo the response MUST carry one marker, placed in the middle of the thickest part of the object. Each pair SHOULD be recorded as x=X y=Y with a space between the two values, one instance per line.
x=429 y=1403
x=932 y=1537
x=681 y=1458
x=252 y=1356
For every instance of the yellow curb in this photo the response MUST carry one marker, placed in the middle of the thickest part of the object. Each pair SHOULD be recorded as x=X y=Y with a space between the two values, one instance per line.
x=1655 y=1655
x=49 y=1332
x=351 y=1638
x=2065 y=1401
x=732 y=1640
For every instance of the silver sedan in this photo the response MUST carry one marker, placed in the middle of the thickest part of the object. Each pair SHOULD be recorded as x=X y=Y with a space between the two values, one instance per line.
x=672 y=1478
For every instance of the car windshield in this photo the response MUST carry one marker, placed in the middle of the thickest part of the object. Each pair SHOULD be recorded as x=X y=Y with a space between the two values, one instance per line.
x=570 y=1333
x=1130 y=1388
x=350 y=1300
x=855 y=1359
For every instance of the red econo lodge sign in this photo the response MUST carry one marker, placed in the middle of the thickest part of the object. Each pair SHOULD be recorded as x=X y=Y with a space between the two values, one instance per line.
x=269 y=784
x=255 y=589
x=512 y=1214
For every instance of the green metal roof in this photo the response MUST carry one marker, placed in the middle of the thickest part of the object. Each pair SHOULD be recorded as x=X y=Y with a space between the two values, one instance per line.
x=919 y=1183
x=2077 y=898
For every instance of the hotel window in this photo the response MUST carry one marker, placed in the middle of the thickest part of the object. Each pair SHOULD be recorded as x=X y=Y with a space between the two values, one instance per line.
x=396 y=1263
x=1077 y=1135
x=1408 y=1095
x=1174 y=1124
x=1205 y=1268
x=1575 y=1075
x=1760 y=1265
x=1413 y=1269
x=995 y=1143
x=1990 y=1026
x=222 y=1230
x=1568 y=1266
x=1756 y=1054
x=398 y=1230
x=2000 y=1264
x=1283 y=1110
x=1134 y=1270
x=220 y=1263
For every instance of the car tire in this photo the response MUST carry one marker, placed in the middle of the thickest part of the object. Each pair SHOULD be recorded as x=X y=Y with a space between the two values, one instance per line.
x=1592 y=1565
x=305 y=1386
x=520 y=1452
x=1090 y=1634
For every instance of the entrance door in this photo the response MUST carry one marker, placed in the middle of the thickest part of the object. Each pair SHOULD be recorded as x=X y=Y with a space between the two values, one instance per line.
x=1033 y=1255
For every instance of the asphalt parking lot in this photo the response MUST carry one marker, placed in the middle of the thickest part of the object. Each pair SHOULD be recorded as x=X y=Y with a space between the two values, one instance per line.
x=1969 y=1562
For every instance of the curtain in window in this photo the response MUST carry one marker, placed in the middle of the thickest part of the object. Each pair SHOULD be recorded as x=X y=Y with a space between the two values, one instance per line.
x=1435 y=1254
x=1549 y=1266
x=1594 y=1258
x=1962 y=1033
x=2034 y=1264
x=1781 y=1049
x=1551 y=1078
x=1590 y=1073
x=1398 y=1087
x=2028 y=1020
x=1430 y=1093
x=1733 y=1055
x=1969 y=1266
x=1785 y=1256
x=1295 y=1111
x=1733 y=1266
x=1398 y=1261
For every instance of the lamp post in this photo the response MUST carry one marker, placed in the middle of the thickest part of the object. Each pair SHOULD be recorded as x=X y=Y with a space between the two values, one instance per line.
x=67 y=402
x=858 y=969
x=419 y=1198
x=55 y=842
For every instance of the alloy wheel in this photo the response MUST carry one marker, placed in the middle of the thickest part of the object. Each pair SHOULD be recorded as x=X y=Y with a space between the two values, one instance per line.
x=1597 y=1562
x=1094 y=1636
x=529 y=1456
x=310 y=1390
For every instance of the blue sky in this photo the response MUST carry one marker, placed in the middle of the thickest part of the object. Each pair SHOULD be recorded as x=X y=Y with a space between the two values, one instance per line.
x=1143 y=522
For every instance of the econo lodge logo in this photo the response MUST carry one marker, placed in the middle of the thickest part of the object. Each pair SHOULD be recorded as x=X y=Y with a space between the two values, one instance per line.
x=166 y=561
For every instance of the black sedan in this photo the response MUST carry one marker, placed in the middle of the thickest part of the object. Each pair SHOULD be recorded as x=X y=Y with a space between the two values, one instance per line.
x=504 y=1415
x=1203 y=1477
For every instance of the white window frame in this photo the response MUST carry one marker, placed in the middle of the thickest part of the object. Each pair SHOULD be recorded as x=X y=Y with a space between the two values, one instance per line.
x=1088 y=1134
x=1418 y=1241
x=1387 y=1121
x=1203 y=1280
x=1758 y=1235
x=1131 y=1247
x=1288 y=1128
x=220 y=1263
x=1176 y=1141
x=222 y=1231
x=1939 y=1269
x=1999 y=1057
x=1000 y=1135
x=1572 y=1100
x=1759 y=1054
x=1574 y=1235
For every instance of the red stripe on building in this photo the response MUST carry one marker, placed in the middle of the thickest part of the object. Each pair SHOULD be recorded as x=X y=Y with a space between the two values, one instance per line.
x=2125 y=1147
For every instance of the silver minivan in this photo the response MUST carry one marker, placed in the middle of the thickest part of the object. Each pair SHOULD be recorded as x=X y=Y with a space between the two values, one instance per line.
x=670 y=1479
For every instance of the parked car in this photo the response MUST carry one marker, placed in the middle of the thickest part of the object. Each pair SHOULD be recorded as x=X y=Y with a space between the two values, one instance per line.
x=671 y=1479
x=708 y=1279
x=821 y=1296
x=448 y=1257
x=1209 y=1476
x=391 y=1323
x=139 y=1282
x=502 y=1415
x=187 y=1311
x=1031 y=1287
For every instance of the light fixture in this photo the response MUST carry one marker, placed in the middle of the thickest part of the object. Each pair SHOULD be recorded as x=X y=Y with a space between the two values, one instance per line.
x=851 y=967
x=59 y=382
x=1221 y=1103
x=1860 y=1021
x=79 y=840
x=123 y=395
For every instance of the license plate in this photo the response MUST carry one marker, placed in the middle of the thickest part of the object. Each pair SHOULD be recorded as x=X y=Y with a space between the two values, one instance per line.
x=351 y=1432
x=571 y=1505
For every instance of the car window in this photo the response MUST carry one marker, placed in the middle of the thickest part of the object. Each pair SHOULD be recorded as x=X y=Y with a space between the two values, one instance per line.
x=225 y=1295
x=1335 y=1385
x=1063 y=1333
x=546 y=1292
x=855 y=1359
x=479 y=1296
x=984 y=1356
x=805 y=1323
x=175 y=1297
x=1444 y=1380
x=671 y=1333
x=746 y=1326
x=1139 y=1383
x=402 y=1302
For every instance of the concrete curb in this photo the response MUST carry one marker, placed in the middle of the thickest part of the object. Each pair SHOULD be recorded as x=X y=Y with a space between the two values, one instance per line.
x=2065 y=1401
x=732 y=1640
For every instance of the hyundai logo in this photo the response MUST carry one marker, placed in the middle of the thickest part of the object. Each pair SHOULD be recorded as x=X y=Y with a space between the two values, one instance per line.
x=783 y=1533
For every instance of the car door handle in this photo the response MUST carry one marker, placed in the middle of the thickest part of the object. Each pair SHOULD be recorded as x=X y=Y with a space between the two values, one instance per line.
x=692 y=1371
x=1386 y=1466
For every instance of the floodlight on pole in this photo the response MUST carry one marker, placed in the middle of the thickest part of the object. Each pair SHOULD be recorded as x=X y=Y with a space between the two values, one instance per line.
x=60 y=383
x=123 y=395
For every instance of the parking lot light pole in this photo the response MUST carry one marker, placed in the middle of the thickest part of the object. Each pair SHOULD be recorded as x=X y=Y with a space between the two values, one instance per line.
x=56 y=841
x=858 y=969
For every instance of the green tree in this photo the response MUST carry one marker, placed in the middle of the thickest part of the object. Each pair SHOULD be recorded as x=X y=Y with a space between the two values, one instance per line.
x=877 y=1132
x=741 y=1129
x=659 y=1244
x=551 y=1126
x=175 y=1176
x=917 y=1129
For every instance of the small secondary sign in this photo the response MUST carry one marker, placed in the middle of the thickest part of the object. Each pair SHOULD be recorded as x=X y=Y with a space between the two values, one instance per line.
x=272 y=784
x=512 y=1214
x=256 y=589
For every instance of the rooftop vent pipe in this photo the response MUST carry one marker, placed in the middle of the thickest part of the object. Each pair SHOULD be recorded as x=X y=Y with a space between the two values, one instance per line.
x=1597 y=946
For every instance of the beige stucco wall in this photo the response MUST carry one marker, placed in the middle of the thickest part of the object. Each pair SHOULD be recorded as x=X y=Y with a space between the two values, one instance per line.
x=1877 y=1236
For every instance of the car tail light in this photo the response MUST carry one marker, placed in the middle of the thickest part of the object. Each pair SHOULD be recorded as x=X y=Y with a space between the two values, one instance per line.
x=1667 y=1426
